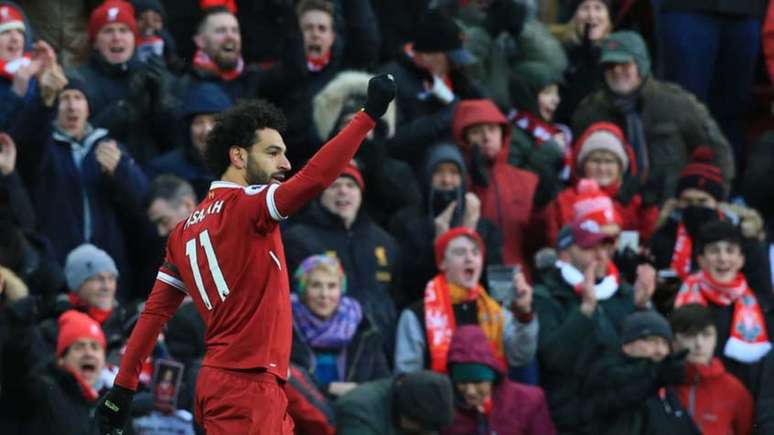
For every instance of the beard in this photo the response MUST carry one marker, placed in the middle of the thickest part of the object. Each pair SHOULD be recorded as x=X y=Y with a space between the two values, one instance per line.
x=254 y=173
x=225 y=61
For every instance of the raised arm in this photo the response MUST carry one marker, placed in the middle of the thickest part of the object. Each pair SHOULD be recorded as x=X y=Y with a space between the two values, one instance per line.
x=326 y=165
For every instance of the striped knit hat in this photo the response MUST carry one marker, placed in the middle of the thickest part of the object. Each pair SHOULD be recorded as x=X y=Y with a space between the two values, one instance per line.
x=702 y=174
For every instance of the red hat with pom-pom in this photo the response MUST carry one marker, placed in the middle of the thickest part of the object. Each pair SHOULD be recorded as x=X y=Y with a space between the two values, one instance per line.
x=594 y=204
x=702 y=174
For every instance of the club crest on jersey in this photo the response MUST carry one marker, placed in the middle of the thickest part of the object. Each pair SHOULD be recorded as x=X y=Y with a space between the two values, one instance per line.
x=199 y=215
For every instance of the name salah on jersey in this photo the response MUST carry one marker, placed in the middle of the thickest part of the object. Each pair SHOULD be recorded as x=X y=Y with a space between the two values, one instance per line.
x=199 y=215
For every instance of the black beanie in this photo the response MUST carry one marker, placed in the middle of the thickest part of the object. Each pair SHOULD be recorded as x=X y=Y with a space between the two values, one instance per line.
x=425 y=397
x=644 y=324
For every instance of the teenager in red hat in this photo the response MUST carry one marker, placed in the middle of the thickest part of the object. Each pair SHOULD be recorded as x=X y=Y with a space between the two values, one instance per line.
x=455 y=297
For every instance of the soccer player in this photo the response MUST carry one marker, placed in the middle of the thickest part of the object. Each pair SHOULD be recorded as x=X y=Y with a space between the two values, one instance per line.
x=228 y=257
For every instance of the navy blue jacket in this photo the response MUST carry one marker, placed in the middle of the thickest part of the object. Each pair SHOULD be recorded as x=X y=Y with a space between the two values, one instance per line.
x=74 y=206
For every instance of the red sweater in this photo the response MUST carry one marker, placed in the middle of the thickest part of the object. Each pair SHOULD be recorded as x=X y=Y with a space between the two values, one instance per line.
x=717 y=401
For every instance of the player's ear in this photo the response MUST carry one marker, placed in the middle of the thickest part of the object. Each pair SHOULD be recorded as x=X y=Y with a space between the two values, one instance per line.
x=238 y=157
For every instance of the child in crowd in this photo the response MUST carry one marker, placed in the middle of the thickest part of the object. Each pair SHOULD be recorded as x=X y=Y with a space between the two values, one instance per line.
x=717 y=401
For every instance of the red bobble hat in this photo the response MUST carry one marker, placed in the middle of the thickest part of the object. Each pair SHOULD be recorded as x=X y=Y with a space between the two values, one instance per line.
x=592 y=203
x=702 y=174
x=112 y=11
x=11 y=18
x=73 y=326
x=444 y=239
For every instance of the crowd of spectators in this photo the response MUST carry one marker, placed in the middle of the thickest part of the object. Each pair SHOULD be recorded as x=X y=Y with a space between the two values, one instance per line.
x=562 y=225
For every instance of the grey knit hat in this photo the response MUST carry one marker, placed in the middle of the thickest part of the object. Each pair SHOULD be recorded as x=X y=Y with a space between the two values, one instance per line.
x=84 y=262
x=644 y=324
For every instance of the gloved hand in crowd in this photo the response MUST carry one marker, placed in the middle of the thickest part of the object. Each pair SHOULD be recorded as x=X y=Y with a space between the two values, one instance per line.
x=113 y=410
x=671 y=370
x=381 y=91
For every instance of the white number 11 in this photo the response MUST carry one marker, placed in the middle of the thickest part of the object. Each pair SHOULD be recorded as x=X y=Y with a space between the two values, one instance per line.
x=212 y=261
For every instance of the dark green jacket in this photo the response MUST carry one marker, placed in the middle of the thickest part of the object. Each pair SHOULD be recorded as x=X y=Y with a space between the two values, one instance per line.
x=675 y=124
x=569 y=342
x=367 y=410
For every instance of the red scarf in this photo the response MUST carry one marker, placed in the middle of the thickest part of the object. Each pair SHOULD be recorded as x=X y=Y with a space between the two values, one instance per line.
x=681 y=257
x=203 y=62
x=95 y=313
x=317 y=63
x=749 y=340
x=440 y=323
x=540 y=130
x=8 y=68
x=87 y=391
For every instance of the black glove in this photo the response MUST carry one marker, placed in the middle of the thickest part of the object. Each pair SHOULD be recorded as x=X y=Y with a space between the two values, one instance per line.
x=157 y=78
x=671 y=370
x=381 y=91
x=113 y=410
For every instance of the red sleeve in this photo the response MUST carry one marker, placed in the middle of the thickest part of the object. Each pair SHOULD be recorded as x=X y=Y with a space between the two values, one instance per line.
x=166 y=296
x=322 y=169
x=768 y=41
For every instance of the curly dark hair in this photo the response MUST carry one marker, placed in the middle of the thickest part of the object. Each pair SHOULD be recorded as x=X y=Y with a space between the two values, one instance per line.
x=237 y=127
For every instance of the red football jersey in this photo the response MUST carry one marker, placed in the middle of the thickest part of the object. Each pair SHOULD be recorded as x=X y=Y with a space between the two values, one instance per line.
x=228 y=256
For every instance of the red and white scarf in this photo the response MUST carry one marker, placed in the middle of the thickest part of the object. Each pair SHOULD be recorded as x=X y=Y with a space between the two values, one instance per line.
x=8 y=68
x=604 y=289
x=318 y=63
x=203 y=62
x=440 y=323
x=749 y=340
x=681 y=256
x=542 y=131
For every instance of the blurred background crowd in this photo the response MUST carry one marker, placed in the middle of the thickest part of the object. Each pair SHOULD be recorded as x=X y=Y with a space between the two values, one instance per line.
x=562 y=225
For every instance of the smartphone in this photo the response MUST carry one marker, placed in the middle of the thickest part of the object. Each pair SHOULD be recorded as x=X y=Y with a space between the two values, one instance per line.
x=500 y=282
x=629 y=239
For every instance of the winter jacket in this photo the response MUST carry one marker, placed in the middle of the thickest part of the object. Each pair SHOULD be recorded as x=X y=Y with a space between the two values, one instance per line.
x=125 y=102
x=717 y=401
x=185 y=161
x=508 y=199
x=584 y=75
x=422 y=119
x=76 y=206
x=500 y=51
x=764 y=414
x=756 y=267
x=368 y=409
x=11 y=103
x=413 y=354
x=369 y=255
x=627 y=200
x=414 y=228
x=365 y=359
x=735 y=8
x=569 y=342
x=39 y=397
x=627 y=396
x=674 y=124
x=516 y=408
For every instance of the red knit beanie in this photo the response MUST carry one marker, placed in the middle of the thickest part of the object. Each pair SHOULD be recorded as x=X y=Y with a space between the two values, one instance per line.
x=702 y=174
x=11 y=18
x=73 y=326
x=354 y=173
x=443 y=241
x=112 y=11
x=594 y=204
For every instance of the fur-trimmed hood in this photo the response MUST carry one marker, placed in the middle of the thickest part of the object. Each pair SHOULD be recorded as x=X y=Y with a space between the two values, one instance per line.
x=329 y=102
